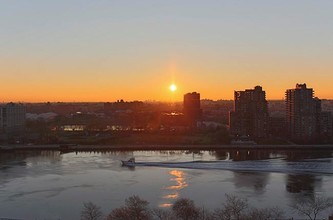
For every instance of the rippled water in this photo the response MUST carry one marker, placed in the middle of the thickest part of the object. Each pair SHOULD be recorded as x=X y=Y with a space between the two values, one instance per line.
x=52 y=185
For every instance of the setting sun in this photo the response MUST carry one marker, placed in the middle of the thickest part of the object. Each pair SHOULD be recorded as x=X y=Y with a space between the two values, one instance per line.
x=173 y=87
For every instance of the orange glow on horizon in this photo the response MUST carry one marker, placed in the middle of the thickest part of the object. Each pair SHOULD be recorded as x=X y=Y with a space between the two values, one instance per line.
x=31 y=81
x=46 y=93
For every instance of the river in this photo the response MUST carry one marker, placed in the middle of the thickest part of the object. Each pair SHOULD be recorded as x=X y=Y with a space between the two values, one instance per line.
x=54 y=185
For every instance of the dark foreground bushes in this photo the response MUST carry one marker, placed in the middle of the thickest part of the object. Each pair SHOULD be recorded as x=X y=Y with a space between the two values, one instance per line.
x=235 y=208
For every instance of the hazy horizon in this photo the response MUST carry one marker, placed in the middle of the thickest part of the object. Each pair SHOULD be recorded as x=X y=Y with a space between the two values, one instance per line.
x=101 y=51
x=144 y=101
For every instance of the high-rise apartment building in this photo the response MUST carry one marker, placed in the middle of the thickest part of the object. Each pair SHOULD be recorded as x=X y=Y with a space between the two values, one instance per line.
x=250 y=115
x=325 y=126
x=305 y=120
x=12 y=118
x=192 y=109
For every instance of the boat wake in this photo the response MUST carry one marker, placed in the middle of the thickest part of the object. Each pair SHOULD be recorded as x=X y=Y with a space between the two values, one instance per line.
x=278 y=166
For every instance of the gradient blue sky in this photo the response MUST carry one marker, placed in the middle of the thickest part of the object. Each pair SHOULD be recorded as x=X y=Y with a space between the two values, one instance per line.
x=103 y=50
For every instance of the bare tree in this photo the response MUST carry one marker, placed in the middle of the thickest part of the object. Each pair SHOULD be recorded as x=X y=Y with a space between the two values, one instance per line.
x=312 y=207
x=162 y=214
x=264 y=214
x=235 y=206
x=166 y=214
x=238 y=208
x=135 y=209
x=221 y=214
x=138 y=208
x=119 y=214
x=91 y=211
x=185 y=209
x=205 y=214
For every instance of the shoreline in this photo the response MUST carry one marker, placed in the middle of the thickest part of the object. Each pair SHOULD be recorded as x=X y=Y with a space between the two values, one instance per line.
x=144 y=147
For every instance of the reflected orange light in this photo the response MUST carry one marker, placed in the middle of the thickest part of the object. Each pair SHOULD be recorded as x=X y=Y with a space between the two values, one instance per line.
x=171 y=196
x=165 y=205
x=180 y=183
x=180 y=180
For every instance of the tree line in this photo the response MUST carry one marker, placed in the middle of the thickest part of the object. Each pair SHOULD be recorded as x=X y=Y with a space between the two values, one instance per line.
x=235 y=208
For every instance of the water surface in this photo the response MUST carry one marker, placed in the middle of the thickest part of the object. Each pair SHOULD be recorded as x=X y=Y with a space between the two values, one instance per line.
x=53 y=185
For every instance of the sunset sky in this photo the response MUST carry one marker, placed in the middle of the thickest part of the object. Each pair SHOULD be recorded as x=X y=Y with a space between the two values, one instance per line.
x=104 y=50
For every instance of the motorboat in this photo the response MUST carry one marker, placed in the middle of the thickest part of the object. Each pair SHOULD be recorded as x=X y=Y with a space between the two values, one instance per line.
x=129 y=163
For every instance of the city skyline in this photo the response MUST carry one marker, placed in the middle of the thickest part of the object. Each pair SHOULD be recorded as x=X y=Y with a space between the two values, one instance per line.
x=103 y=51
x=155 y=109
x=172 y=89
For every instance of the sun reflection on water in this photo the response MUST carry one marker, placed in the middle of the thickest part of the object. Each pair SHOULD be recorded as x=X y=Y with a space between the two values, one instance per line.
x=165 y=205
x=171 y=196
x=179 y=179
x=179 y=183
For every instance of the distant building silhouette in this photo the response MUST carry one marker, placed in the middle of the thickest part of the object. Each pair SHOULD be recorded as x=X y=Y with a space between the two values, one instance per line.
x=250 y=115
x=192 y=108
x=173 y=121
x=122 y=105
x=305 y=120
x=12 y=118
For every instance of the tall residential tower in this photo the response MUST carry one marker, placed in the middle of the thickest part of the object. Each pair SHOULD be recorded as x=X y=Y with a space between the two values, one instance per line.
x=305 y=119
x=192 y=109
x=250 y=115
